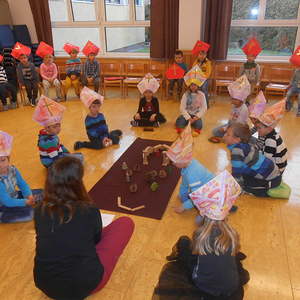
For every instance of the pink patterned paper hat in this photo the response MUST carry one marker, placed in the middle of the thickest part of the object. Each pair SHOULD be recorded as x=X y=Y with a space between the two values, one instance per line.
x=148 y=83
x=181 y=151
x=215 y=198
x=258 y=106
x=5 y=143
x=48 y=112
x=88 y=96
x=273 y=114
x=240 y=89
x=194 y=75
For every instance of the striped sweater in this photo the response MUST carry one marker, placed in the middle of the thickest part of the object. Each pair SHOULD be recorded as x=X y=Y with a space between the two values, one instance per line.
x=50 y=148
x=73 y=67
x=273 y=147
x=246 y=160
x=96 y=127
x=3 y=77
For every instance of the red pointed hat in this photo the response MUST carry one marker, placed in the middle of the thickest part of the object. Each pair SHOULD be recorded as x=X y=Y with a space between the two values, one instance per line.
x=69 y=47
x=295 y=58
x=252 y=47
x=175 y=72
x=20 y=49
x=44 y=49
x=1 y=59
x=90 y=48
x=200 y=46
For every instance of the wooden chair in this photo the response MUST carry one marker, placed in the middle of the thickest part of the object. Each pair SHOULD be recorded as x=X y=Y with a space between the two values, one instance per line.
x=279 y=79
x=158 y=69
x=112 y=75
x=224 y=75
x=134 y=73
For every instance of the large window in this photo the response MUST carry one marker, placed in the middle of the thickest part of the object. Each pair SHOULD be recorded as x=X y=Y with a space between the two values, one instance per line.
x=117 y=26
x=274 y=23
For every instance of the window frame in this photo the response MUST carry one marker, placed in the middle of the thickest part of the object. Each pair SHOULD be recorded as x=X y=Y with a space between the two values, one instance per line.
x=262 y=22
x=101 y=23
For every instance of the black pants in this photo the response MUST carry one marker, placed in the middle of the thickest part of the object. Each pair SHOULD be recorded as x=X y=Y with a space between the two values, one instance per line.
x=6 y=88
x=96 y=143
x=259 y=187
x=179 y=85
x=145 y=118
x=96 y=83
x=31 y=90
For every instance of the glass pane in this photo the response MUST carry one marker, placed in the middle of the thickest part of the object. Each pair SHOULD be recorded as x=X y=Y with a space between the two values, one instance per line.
x=282 y=9
x=83 y=10
x=245 y=10
x=279 y=41
x=142 y=10
x=128 y=39
x=74 y=36
x=117 y=10
x=58 y=10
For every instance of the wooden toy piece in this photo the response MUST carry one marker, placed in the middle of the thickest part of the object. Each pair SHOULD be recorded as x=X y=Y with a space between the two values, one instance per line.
x=124 y=165
x=128 y=179
x=129 y=172
x=154 y=173
x=133 y=188
x=149 y=177
x=148 y=129
x=154 y=186
x=137 y=168
x=146 y=152
x=162 y=174
x=166 y=159
x=128 y=208
x=138 y=208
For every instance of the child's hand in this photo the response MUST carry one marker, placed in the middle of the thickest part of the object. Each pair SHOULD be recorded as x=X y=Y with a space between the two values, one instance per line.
x=137 y=116
x=179 y=209
x=30 y=201
x=152 y=118
x=107 y=142
x=73 y=77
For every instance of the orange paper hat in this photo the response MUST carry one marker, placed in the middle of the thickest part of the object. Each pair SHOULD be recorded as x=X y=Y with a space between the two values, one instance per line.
x=5 y=143
x=20 y=49
x=200 y=46
x=215 y=198
x=149 y=83
x=273 y=114
x=44 y=49
x=240 y=89
x=69 y=47
x=1 y=58
x=88 y=96
x=258 y=106
x=295 y=58
x=252 y=47
x=181 y=151
x=195 y=75
x=48 y=112
x=90 y=48
x=175 y=72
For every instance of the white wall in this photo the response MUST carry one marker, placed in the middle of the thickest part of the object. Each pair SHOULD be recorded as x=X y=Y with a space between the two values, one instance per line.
x=190 y=23
x=21 y=14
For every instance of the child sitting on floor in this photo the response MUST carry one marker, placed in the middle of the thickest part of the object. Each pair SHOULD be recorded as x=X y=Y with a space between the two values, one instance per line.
x=91 y=67
x=49 y=113
x=239 y=90
x=148 y=113
x=73 y=70
x=15 y=204
x=193 y=103
x=208 y=266
x=95 y=124
x=255 y=173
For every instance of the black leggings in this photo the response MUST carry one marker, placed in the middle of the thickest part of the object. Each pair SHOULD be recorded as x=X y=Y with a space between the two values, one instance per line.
x=95 y=143
x=145 y=118
x=4 y=89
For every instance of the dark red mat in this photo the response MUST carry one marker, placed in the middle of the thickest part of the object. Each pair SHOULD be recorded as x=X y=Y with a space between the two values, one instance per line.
x=113 y=184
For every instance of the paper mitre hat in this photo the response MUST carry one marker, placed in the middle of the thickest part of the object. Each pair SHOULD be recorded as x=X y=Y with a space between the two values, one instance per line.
x=273 y=114
x=200 y=46
x=240 y=89
x=215 y=198
x=5 y=143
x=88 y=96
x=175 y=72
x=181 y=151
x=48 y=112
x=148 y=83
x=20 y=49
x=69 y=47
x=90 y=48
x=44 y=49
x=258 y=106
x=252 y=47
x=295 y=58
x=194 y=75
x=1 y=59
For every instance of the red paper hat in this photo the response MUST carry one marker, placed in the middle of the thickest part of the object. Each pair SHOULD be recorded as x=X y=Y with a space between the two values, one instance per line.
x=1 y=58
x=90 y=48
x=69 y=47
x=200 y=46
x=175 y=72
x=20 y=49
x=295 y=58
x=252 y=47
x=44 y=49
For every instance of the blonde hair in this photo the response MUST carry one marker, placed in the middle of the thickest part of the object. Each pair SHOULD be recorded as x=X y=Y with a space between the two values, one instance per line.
x=226 y=240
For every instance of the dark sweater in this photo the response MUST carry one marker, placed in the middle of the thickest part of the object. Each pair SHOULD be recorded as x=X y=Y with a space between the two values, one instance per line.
x=66 y=264
x=152 y=106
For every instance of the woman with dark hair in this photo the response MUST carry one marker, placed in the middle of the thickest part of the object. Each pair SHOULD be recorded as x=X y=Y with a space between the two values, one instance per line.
x=74 y=255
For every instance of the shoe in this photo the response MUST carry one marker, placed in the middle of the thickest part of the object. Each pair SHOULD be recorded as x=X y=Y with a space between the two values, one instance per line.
x=196 y=132
x=215 y=139
x=247 y=103
x=233 y=209
x=13 y=105
x=31 y=104
x=77 y=145
x=58 y=99
x=156 y=124
x=118 y=132
x=5 y=107
x=288 y=106
x=134 y=123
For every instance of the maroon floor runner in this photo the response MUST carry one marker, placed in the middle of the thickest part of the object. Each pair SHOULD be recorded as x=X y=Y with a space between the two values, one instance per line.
x=113 y=184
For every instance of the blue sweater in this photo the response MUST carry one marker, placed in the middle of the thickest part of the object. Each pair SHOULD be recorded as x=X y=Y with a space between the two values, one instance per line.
x=193 y=176
x=96 y=127
x=6 y=198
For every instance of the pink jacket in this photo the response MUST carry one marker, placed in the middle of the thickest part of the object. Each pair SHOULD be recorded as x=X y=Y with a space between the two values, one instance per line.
x=48 y=72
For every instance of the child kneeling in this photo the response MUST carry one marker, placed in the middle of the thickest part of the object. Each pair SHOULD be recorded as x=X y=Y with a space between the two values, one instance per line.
x=95 y=124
